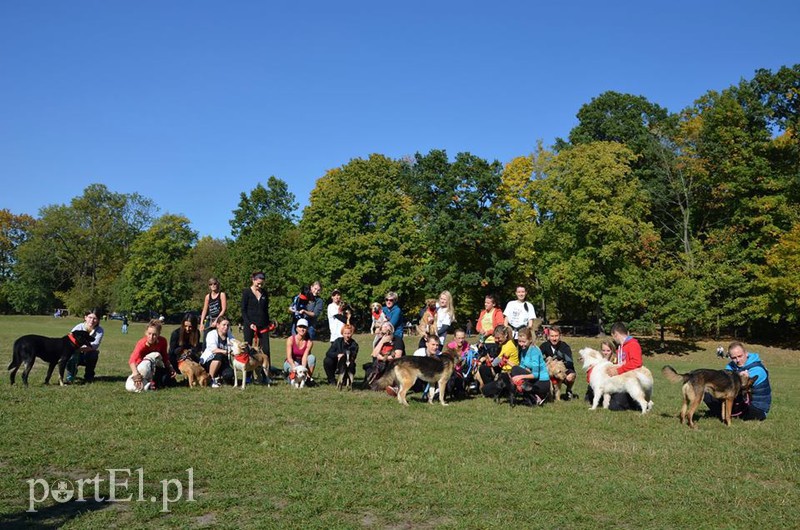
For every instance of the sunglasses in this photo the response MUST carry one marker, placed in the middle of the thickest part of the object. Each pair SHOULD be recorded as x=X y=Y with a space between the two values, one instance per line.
x=212 y=284
x=390 y=300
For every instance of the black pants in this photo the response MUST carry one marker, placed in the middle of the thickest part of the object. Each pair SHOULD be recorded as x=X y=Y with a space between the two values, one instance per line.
x=740 y=409
x=87 y=359
x=330 y=365
x=249 y=334
x=618 y=401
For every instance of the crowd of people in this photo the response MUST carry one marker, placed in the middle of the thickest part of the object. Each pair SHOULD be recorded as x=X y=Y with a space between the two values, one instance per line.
x=505 y=352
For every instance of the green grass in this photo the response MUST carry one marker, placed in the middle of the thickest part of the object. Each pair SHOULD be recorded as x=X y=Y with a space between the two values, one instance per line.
x=280 y=457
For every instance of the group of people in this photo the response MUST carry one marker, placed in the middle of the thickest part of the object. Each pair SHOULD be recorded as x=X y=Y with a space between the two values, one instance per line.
x=505 y=352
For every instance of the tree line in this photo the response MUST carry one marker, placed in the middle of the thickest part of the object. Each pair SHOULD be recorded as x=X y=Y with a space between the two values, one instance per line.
x=688 y=220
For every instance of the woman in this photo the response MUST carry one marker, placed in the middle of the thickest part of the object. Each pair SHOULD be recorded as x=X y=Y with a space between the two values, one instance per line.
x=344 y=345
x=184 y=343
x=298 y=350
x=607 y=349
x=388 y=348
x=214 y=306
x=489 y=319
x=255 y=313
x=507 y=358
x=87 y=355
x=152 y=342
x=531 y=367
x=215 y=356
x=445 y=315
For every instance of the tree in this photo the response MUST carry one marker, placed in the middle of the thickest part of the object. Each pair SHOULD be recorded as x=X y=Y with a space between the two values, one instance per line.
x=14 y=230
x=156 y=275
x=209 y=257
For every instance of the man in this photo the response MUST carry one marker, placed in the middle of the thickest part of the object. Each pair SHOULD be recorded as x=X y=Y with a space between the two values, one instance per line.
x=629 y=357
x=554 y=347
x=336 y=320
x=394 y=315
x=519 y=313
x=760 y=400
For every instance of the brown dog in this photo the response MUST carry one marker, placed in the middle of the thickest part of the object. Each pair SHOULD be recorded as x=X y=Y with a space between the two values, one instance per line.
x=558 y=376
x=722 y=384
x=428 y=322
x=194 y=373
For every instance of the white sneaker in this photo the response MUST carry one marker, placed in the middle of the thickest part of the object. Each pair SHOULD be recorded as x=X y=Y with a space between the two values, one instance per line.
x=215 y=383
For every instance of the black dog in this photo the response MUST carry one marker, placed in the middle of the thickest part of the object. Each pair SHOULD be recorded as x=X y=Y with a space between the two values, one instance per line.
x=504 y=386
x=346 y=371
x=52 y=351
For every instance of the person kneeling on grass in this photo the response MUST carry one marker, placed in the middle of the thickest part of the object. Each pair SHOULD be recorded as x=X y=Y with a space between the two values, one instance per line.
x=215 y=356
x=757 y=404
x=344 y=345
x=152 y=342
x=531 y=367
x=298 y=351
x=555 y=347
x=502 y=364
x=629 y=357
x=388 y=348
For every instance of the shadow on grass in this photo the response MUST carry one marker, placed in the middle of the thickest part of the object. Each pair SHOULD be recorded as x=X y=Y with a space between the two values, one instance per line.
x=54 y=516
x=679 y=348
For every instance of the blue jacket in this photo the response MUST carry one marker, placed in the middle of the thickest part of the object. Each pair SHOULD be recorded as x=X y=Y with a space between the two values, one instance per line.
x=761 y=393
x=533 y=360
x=395 y=317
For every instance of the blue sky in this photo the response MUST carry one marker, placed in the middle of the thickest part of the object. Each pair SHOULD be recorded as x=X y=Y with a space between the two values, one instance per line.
x=191 y=103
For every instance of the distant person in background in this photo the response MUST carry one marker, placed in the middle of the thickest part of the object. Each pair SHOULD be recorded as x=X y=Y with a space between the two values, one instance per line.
x=215 y=305
x=124 y=324
x=255 y=314
x=468 y=328
x=87 y=355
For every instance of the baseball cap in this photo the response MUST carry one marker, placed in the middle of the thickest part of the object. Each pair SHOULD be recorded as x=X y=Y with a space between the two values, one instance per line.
x=302 y=323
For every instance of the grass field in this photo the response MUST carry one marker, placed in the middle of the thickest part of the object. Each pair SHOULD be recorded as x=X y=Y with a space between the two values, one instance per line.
x=317 y=458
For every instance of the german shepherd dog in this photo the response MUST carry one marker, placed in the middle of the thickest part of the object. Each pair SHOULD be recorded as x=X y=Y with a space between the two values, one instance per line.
x=346 y=371
x=432 y=370
x=722 y=384
x=54 y=351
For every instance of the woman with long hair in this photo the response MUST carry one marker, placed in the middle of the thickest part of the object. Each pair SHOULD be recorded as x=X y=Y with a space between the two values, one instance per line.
x=184 y=343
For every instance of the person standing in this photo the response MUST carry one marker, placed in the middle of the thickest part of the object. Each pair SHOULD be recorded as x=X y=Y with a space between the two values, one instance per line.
x=489 y=319
x=394 y=315
x=255 y=314
x=519 y=313
x=336 y=318
x=215 y=305
x=445 y=315
x=124 y=324
x=87 y=355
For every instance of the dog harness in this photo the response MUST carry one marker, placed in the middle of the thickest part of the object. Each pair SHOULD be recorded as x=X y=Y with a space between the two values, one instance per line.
x=72 y=339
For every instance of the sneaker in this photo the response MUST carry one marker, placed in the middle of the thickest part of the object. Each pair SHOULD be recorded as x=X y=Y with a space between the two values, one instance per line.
x=392 y=391
x=569 y=395
x=215 y=383
x=539 y=401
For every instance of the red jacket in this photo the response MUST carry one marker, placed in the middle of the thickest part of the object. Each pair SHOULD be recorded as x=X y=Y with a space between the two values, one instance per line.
x=629 y=356
x=141 y=349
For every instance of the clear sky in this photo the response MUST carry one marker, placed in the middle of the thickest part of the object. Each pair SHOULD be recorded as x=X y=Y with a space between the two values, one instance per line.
x=192 y=102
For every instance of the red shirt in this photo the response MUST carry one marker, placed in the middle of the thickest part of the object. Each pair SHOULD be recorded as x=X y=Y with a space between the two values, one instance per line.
x=142 y=348
x=629 y=356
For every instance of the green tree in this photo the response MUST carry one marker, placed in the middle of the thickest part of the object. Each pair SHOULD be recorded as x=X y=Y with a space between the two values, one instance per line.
x=14 y=230
x=156 y=275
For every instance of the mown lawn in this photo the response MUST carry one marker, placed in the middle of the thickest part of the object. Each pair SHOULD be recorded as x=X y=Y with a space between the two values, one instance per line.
x=317 y=458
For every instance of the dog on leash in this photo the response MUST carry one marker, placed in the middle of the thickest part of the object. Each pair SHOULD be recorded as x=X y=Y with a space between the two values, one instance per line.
x=55 y=351
x=192 y=371
x=147 y=369
x=298 y=376
x=637 y=383
x=430 y=369
x=346 y=371
x=722 y=384
x=428 y=322
x=243 y=359
x=557 y=371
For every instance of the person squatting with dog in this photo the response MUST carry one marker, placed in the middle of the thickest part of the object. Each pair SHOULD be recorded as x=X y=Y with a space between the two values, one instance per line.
x=298 y=351
x=86 y=355
x=184 y=342
x=607 y=349
x=215 y=357
x=342 y=347
x=555 y=347
x=629 y=357
x=532 y=368
x=754 y=405
x=152 y=342
x=255 y=315
x=501 y=365
x=388 y=348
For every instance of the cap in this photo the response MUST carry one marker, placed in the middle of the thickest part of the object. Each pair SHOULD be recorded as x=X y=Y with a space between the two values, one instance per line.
x=302 y=323
x=336 y=291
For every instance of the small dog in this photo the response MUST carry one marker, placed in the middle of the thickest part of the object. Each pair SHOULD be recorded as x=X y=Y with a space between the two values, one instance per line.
x=722 y=384
x=51 y=350
x=346 y=371
x=407 y=370
x=558 y=376
x=637 y=383
x=195 y=373
x=428 y=325
x=243 y=359
x=147 y=369
x=378 y=317
x=298 y=376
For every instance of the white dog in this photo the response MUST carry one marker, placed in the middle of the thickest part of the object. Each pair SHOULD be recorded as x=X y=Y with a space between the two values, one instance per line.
x=637 y=383
x=300 y=376
x=147 y=369
x=242 y=359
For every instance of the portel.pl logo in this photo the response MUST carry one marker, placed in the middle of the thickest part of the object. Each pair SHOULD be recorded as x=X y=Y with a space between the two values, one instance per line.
x=122 y=485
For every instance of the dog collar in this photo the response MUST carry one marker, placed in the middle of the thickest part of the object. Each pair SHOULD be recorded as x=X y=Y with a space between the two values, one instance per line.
x=72 y=339
x=242 y=357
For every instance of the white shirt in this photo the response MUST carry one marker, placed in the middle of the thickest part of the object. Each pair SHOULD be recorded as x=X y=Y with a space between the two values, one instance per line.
x=212 y=343
x=519 y=313
x=334 y=323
